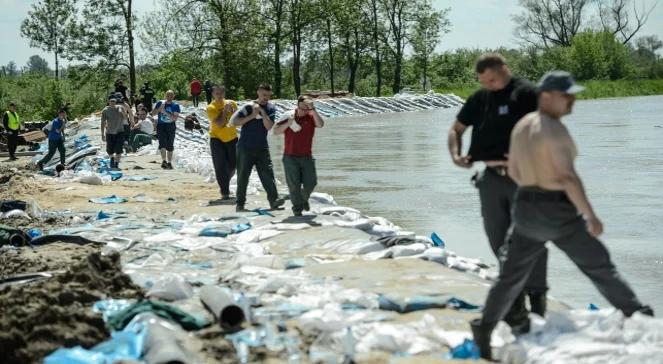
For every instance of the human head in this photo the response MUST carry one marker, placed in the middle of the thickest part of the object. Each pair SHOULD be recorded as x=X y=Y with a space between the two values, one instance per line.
x=264 y=93
x=219 y=92
x=304 y=105
x=12 y=106
x=62 y=113
x=170 y=95
x=557 y=93
x=142 y=114
x=493 y=72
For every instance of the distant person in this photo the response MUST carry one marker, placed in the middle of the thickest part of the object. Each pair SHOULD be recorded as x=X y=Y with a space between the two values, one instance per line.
x=223 y=139
x=196 y=89
x=256 y=119
x=55 y=139
x=112 y=131
x=122 y=89
x=492 y=112
x=147 y=96
x=128 y=119
x=168 y=112
x=67 y=107
x=208 y=91
x=142 y=131
x=550 y=205
x=12 y=123
x=298 y=162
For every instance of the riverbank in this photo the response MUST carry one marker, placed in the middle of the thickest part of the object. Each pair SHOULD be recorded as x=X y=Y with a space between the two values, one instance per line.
x=327 y=285
x=594 y=89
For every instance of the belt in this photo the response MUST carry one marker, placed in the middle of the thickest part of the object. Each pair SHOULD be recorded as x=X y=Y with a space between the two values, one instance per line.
x=543 y=196
x=500 y=170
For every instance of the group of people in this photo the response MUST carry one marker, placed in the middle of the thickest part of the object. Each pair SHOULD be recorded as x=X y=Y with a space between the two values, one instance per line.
x=232 y=153
x=530 y=194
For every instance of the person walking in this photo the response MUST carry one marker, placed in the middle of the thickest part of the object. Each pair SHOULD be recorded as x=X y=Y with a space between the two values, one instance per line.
x=298 y=161
x=196 y=89
x=12 y=123
x=147 y=96
x=223 y=139
x=491 y=113
x=256 y=119
x=122 y=89
x=550 y=205
x=208 y=91
x=128 y=119
x=56 y=140
x=112 y=131
x=168 y=112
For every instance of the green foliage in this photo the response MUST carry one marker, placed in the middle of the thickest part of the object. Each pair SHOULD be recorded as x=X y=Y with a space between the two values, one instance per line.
x=621 y=88
x=599 y=56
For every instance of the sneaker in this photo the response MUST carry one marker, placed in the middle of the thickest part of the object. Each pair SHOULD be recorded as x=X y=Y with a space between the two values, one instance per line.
x=169 y=165
x=240 y=208
x=164 y=165
x=297 y=213
x=307 y=207
x=276 y=205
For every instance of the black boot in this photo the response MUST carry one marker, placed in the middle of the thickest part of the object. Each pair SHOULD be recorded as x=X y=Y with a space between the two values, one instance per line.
x=518 y=316
x=538 y=302
x=481 y=333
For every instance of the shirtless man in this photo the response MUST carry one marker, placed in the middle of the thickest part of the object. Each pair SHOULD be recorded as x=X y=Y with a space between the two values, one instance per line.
x=550 y=205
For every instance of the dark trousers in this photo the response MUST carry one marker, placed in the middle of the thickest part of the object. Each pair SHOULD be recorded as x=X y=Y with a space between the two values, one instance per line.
x=195 y=99
x=540 y=216
x=53 y=146
x=12 y=142
x=224 y=158
x=140 y=139
x=260 y=158
x=208 y=96
x=301 y=177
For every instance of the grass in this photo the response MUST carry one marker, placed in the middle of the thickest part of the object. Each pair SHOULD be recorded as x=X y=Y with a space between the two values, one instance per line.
x=595 y=89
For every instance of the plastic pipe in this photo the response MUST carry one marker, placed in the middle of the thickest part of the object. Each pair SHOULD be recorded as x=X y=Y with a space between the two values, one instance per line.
x=221 y=303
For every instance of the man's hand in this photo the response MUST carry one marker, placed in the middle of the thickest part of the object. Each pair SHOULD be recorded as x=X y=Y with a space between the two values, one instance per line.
x=594 y=226
x=228 y=108
x=463 y=162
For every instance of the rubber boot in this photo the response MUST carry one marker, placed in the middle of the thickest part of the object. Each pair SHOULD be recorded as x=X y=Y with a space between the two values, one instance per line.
x=481 y=333
x=518 y=316
x=538 y=302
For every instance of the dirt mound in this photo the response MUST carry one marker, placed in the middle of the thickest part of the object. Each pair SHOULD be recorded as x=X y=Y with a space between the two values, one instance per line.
x=37 y=318
x=50 y=257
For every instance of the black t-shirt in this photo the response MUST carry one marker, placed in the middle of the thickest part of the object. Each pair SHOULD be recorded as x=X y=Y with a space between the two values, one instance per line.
x=493 y=114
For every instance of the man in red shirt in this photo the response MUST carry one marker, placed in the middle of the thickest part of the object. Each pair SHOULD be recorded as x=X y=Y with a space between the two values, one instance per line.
x=196 y=89
x=298 y=163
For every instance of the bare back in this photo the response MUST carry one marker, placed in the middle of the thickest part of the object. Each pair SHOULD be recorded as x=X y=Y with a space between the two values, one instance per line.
x=542 y=152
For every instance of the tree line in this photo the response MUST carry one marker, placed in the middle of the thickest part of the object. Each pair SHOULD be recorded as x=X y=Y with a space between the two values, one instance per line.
x=366 y=47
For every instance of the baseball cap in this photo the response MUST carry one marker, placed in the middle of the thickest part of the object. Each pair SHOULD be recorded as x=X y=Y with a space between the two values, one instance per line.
x=559 y=81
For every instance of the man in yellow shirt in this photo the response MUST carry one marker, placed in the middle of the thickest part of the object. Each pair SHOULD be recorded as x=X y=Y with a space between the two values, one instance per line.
x=223 y=139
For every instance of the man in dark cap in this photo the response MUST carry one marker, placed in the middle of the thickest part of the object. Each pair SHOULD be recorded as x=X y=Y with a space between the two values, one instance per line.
x=550 y=205
x=56 y=139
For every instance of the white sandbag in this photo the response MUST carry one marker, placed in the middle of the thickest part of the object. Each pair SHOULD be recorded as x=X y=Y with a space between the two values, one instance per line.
x=91 y=179
x=171 y=287
x=408 y=250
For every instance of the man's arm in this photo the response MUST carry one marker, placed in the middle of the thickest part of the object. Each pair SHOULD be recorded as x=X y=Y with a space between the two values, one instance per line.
x=267 y=119
x=455 y=144
x=561 y=153
x=158 y=108
x=5 y=121
x=319 y=121
x=281 y=127
x=238 y=119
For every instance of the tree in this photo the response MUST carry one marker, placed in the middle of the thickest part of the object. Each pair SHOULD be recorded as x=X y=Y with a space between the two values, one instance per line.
x=106 y=35
x=617 y=18
x=36 y=64
x=10 y=70
x=276 y=12
x=375 y=22
x=301 y=16
x=426 y=36
x=49 y=26
x=599 y=55
x=548 y=23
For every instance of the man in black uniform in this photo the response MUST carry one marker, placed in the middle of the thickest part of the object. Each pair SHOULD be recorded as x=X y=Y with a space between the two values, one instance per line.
x=492 y=113
x=147 y=95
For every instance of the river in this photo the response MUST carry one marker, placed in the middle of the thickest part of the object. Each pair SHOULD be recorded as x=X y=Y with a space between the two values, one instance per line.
x=397 y=166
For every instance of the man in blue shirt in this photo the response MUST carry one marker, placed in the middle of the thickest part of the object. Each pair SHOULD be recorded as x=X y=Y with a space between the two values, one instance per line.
x=55 y=139
x=168 y=111
x=256 y=119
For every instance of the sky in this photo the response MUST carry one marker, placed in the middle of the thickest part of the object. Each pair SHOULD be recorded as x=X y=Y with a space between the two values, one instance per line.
x=474 y=24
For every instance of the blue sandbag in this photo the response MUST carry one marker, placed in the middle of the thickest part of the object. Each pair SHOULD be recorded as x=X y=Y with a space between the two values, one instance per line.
x=593 y=307
x=108 y=200
x=238 y=228
x=214 y=232
x=437 y=241
x=115 y=175
x=458 y=304
x=102 y=215
x=467 y=350
x=418 y=303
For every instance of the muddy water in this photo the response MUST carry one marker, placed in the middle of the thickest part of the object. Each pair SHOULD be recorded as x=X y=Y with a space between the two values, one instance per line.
x=397 y=166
